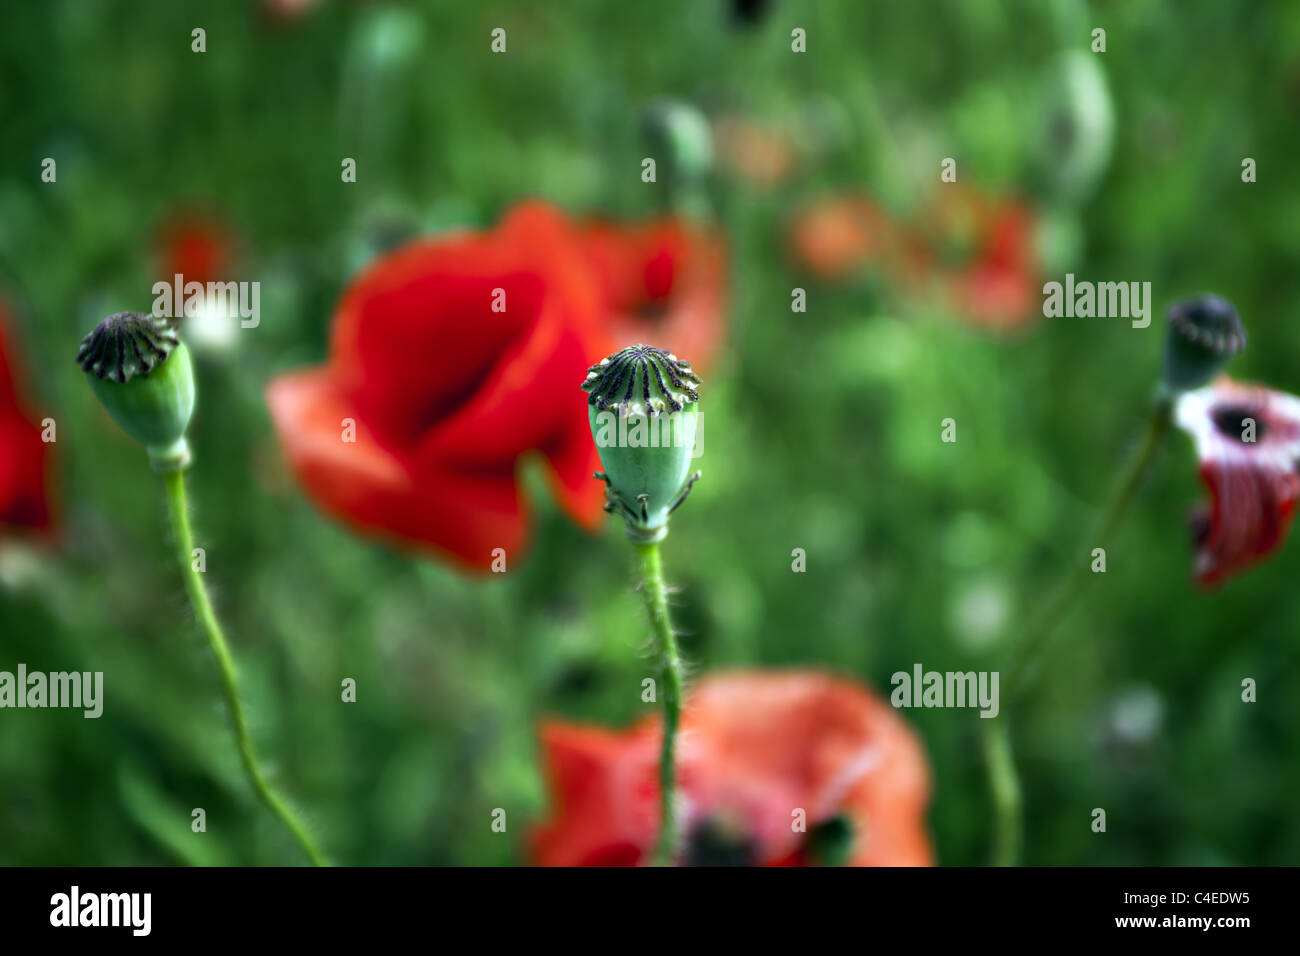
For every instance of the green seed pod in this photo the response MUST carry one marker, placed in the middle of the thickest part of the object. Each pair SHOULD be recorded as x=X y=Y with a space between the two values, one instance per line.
x=142 y=373
x=1204 y=333
x=643 y=406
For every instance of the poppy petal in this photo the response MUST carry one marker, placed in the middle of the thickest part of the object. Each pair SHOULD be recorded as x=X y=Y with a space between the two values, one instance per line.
x=755 y=749
x=588 y=769
x=457 y=513
x=664 y=285
x=574 y=462
x=24 y=455
x=1248 y=444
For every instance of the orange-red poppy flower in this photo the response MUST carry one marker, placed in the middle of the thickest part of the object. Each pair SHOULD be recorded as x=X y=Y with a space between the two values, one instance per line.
x=1248 y=443
x=663 y=284
x=24 y=457
x=766 y=762
x=761 y=155
x=839 y=235
x=450 y=359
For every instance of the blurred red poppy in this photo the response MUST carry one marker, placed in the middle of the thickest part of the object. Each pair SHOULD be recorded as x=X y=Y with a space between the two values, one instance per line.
x=663 y=284
x=24 y=457
x=978 y=252
x=839 y=235
x=1248 y=443
x=451 y=358
x=984 y=257
x=194 y=247
x=759 y=755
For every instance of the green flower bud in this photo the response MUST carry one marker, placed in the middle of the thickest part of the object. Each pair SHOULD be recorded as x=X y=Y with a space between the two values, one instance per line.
x=1078 y=127
x=680 y=137
x=643 y=406
x=142 y=373
x=1204 y=333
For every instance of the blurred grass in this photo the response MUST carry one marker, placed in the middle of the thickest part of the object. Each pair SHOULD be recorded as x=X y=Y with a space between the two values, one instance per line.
x=821 y=428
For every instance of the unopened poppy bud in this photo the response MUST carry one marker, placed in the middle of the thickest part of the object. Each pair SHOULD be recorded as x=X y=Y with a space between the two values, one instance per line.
x=142 y=373
x=643 y=406
x=1204 y=333
x=1078 y=125
x=680 y=137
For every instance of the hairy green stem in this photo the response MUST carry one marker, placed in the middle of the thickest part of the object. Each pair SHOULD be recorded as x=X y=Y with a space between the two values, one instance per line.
x=175 y=483
x=999 y=757
x=656 y=603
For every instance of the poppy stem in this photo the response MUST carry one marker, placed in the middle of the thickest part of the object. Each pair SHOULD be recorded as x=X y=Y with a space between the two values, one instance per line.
x=176 y=502
x=656 y=603
x=1004 y=788
x=1072 y=585
x=999 y=755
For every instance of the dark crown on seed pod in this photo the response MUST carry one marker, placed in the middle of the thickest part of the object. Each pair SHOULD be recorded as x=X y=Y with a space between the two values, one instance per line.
x=1210 y=322
x=1204 y=333
x=142 y=374
x=641 y=380
x=125 y=345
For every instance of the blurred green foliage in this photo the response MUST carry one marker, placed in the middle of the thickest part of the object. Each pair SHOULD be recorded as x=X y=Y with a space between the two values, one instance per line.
x=822 y=429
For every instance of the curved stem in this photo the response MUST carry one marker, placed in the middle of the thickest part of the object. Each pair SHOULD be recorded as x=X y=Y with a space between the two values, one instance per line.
x=175 y=483
x=1004 y=789
x=1072 y=584
x=656 y=603
x=999 y=757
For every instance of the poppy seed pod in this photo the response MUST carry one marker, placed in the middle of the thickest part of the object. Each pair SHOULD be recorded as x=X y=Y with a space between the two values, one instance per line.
x=643 y=406
x=1204 y=333
x=142 y=373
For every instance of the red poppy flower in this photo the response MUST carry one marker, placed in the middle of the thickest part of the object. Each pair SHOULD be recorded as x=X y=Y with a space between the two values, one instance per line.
x=755 y=749
x=193 y=247
x=984 y=257
x=1248 y=443
x=999 y=289
x=450 y=359
x=978 y=252
x=24 y=457
x=663 y=283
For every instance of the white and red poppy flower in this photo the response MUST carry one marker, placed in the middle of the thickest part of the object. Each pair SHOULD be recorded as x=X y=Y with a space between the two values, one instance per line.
x=1248 y=444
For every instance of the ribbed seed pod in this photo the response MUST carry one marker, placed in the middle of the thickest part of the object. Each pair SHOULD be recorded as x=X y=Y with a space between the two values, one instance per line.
x=643 y=406
x=142 y=373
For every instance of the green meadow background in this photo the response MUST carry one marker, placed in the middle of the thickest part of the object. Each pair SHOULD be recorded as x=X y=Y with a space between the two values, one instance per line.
x=822 y=428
